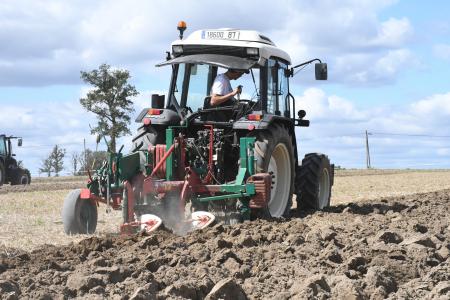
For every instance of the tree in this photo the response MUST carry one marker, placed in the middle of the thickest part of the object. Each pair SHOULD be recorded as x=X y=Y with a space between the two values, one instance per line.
x=57 y=159
x=46 y=167
x=91 y=160
x=75 y=159
x=109 y=100
x=54 y=162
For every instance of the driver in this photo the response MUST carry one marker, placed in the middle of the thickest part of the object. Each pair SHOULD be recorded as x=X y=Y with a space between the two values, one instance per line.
x=221 y=92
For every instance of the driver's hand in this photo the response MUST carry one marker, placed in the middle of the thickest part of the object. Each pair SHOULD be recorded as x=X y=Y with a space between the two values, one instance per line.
x=238 y=90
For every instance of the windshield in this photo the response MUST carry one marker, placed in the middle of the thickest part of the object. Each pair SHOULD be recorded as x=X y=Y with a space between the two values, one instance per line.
x=194 y=81
x=2 y=146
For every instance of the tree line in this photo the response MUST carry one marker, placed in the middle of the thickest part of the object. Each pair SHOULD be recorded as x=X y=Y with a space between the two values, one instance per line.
x=109 y=100
x=80 y=162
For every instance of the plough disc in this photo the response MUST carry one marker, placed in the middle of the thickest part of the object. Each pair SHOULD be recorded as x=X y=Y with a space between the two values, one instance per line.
x=150 y=222
x=201 y=219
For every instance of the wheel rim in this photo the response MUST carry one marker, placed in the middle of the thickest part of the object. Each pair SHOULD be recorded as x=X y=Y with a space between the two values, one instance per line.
x=324 y=189
x=24 y=180
x=280 y=169
x=86 y=215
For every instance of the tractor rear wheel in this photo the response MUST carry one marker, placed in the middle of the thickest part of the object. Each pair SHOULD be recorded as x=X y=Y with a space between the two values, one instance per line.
x=28 y=176
x=2 y=174
x=274 y=154
x=22 y=177
x=79 y=215
x=314 y=182
x=146 y=137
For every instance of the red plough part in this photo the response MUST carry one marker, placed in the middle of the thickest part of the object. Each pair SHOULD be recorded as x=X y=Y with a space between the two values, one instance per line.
x=201 y=219
x=148 y=223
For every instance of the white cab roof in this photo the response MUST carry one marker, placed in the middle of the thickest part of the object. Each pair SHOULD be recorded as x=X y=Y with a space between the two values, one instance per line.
x=237 y=38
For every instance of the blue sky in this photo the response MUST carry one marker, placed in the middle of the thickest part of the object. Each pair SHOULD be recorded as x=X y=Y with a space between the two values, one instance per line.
x=388 y=67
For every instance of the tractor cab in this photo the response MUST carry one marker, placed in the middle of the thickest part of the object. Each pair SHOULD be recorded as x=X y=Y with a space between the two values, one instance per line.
x=6 y=152
x=10 y=170
x=204 y=54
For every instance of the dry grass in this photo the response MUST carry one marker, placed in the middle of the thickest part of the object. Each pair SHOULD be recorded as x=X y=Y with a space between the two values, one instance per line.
x=59 y=179
x=33 y=218
x=374 y=184
x=367 y=172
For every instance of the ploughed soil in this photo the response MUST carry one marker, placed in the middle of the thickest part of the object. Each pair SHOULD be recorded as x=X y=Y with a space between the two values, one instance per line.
x=396 y=248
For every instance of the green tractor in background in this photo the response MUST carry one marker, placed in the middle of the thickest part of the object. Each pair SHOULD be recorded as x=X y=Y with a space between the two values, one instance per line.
x=192 y=163
x=10 y=170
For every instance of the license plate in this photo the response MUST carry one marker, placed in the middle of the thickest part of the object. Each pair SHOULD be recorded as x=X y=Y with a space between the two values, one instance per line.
x=220 y=35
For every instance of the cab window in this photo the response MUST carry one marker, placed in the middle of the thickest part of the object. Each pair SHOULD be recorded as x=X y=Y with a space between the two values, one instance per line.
x=198 y=85
x=2 y=146
x=271 y=86
x=193 y=85
x=277 y=88
x=283 y=89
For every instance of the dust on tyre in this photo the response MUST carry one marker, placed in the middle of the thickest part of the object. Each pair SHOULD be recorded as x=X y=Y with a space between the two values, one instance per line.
x=314 y=181
x=274 y=154
x=79 y=215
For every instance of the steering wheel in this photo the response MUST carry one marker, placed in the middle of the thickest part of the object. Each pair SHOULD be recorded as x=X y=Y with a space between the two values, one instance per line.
x=245 y=100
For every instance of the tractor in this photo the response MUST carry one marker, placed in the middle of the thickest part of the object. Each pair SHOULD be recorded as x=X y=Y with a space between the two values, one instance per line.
x=11 y=171
x=193 y=163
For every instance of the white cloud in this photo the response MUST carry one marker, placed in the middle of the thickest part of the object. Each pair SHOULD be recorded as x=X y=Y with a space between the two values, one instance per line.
x=393 y=33
x=48 y=42
x=319 y=106
x=412 y=136
x=434 y=106
x=13 y=116
x=373 y=69
x=43 y=126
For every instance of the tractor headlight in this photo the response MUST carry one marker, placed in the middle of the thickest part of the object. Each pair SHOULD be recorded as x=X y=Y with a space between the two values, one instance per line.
x=252 y=51
x=177 y=49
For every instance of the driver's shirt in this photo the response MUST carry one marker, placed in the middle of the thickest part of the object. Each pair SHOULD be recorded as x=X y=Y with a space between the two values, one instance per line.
x=221 y=85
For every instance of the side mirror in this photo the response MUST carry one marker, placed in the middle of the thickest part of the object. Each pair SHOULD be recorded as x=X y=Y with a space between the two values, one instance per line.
x=301 y=114
x=19 y=142
x=321 y=71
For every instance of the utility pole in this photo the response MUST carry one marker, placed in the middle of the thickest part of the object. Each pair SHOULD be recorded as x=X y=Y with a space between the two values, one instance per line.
x=367 y=151
x=85 y=156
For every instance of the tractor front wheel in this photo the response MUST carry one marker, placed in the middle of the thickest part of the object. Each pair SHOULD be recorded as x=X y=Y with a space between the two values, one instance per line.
x=274 y=154
x=314 y=182
x=79 y=215
x=2 y=174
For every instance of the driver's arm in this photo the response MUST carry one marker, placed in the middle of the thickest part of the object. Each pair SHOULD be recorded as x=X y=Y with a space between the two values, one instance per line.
x=217 y=99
